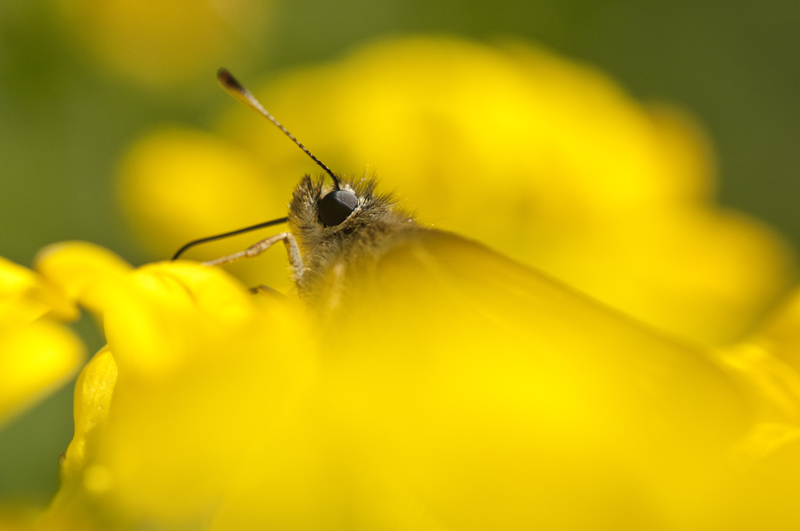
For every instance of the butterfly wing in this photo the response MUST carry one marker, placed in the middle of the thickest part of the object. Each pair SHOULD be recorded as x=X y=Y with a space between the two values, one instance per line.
x=470 y=369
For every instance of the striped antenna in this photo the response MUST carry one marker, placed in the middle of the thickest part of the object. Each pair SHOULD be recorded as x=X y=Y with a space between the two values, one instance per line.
x=235 y=89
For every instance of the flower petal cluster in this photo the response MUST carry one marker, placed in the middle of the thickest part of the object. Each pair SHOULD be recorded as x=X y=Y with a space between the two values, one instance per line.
x=457 y=390
x=547 y=161
x=451 y=388
x=37 y=353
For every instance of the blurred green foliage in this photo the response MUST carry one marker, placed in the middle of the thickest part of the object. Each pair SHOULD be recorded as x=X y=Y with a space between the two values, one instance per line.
x=65 y=119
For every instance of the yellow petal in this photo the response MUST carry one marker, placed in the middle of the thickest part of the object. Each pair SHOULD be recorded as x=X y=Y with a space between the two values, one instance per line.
x=35 y=359
x=165 y=312
x=769 y=499
x=36 y=354
x=81 y=270
x=24 y=296
x=768 y=362
x=781 y=335
x=93 y=392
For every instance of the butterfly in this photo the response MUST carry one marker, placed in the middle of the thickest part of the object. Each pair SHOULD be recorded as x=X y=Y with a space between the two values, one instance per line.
x=428 y=338
x=340 y=231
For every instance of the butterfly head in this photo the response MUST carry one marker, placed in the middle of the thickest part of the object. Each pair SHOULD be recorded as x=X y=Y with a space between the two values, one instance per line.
x=319 y=206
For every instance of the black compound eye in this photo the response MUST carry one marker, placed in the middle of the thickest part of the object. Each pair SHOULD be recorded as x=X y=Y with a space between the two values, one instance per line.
x=335 y=207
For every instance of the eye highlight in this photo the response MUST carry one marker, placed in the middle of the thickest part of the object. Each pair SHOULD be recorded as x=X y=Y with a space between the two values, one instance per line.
x=336 y=207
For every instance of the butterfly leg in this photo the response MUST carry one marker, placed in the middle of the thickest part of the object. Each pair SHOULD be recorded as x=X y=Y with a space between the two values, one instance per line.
x=331 y=294
x=295 y=261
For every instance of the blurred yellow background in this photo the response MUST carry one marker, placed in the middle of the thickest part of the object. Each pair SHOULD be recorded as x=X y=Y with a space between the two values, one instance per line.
x=82 y=80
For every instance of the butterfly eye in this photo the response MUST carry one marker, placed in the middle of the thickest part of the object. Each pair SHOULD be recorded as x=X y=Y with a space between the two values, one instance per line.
x=335 y=207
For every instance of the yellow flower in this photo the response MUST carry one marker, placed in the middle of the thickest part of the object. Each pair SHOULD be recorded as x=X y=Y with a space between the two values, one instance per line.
x=546 y=161
x=161 y=43
x=218 y=371
x=37 y=354
x=448 y=387
x=457 y=391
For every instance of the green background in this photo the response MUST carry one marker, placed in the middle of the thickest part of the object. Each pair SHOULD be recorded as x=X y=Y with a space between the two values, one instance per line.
x=64 y=121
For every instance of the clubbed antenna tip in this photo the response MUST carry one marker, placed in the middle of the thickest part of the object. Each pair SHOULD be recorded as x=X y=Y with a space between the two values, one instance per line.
x=235 y=89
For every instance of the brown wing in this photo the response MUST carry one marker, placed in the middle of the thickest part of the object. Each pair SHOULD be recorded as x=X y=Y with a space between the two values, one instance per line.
x=487 y=386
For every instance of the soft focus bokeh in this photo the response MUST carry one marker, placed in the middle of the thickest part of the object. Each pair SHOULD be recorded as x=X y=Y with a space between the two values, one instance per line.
x=83 y=81
x=542 y=159
x=451 y=389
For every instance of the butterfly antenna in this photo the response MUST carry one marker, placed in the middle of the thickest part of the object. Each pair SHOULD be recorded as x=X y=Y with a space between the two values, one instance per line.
x=226 y=235
x=235 y=89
